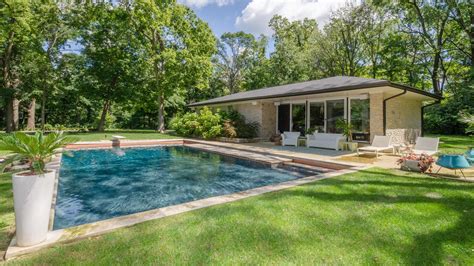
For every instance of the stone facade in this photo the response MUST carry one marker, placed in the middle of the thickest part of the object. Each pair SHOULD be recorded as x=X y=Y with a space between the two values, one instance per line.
x=403 y=119
x=268 y=125
x=376 y=114
x=262 y=113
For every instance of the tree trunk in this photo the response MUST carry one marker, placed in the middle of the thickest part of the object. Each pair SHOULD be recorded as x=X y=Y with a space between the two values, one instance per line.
x=9 y=115
x=30 y=125
x=435 y=74
x=16 y=113
x=161 y=113
x=103 y=116
x=43 y=110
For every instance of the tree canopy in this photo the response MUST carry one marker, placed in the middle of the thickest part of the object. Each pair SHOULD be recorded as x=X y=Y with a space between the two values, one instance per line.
x=135 y=64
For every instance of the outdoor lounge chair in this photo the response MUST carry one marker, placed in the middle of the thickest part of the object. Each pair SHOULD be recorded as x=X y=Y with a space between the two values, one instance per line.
x=290 y=138
x=424 y=145
x=380 y=143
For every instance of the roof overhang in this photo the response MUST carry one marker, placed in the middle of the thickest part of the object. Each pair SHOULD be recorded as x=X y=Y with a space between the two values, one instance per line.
x=381 y=84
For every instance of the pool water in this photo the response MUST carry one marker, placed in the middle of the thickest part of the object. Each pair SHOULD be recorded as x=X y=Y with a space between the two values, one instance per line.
x=100 y=184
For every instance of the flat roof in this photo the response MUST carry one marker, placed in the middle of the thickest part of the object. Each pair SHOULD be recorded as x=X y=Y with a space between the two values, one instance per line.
x=332 y=84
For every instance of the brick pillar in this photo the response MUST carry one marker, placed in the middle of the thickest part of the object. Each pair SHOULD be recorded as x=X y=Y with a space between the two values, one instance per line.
x=376 y=114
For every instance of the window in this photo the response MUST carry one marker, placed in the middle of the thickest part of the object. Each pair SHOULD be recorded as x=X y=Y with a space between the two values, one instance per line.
x=334 y=111
x=298 y=112
x=316 y=116
x=360 y=119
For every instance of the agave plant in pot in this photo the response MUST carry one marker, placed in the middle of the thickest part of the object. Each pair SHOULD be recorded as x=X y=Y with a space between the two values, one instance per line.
x=32 y=189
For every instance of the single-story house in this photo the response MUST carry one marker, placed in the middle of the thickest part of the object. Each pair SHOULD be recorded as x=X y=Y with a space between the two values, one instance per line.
x=373 y=107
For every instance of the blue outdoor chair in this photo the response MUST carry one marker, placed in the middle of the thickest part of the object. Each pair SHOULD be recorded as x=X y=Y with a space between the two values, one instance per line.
x=453 y=162
x=470 y=156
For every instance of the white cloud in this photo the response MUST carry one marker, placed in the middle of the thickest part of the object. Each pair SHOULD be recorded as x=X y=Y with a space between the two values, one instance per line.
x=201 y=3
x=257 y=13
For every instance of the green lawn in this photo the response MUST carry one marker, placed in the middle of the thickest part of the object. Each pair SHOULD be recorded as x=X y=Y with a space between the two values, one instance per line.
x=129 y=134
x=7 y=217
x=455 y=144
x=374 y=216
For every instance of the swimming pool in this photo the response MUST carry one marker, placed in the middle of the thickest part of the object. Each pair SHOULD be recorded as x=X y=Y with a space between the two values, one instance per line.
x=101 y=184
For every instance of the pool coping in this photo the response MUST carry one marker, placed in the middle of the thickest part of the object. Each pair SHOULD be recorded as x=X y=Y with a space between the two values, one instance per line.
x=101 y=227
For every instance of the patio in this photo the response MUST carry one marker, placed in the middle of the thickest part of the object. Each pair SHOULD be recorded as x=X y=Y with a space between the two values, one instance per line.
x=385 y=160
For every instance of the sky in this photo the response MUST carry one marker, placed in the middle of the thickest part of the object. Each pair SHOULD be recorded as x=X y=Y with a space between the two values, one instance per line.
x=253 y=15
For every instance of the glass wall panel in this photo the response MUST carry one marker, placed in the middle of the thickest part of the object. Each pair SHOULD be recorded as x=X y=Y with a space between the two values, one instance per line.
x=298 y=112
x=284 y=118
x=360 y=118
x=316 y=116
x=334 y=111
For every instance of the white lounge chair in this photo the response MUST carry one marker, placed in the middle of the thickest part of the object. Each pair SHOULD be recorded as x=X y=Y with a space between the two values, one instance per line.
x=424 y=145
x=324 y=140
x=379 y=143
x=290 y=138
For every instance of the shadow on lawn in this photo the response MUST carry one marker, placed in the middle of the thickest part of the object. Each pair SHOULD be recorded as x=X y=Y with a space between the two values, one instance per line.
x=431 y=243
x=6 y=209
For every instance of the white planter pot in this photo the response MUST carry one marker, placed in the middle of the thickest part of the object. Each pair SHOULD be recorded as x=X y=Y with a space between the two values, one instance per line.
x=411 y=165
x=32 y=196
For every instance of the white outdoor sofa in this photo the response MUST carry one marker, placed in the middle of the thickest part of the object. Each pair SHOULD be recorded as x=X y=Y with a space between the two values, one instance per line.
x=379 y=143
x=424 y=145
x=324 y=140
x=290 y=138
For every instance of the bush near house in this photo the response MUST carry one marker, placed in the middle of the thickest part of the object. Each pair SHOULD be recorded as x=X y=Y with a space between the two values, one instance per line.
x=235 y=126
x=206 y=124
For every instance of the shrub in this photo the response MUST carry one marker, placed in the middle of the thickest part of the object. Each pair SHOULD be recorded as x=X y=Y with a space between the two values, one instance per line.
x=204 y=124
x=235 y=126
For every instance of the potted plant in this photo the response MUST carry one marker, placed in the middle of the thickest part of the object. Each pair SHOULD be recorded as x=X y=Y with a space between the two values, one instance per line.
x=346 y=128
x=417 y=163
x=32 y=189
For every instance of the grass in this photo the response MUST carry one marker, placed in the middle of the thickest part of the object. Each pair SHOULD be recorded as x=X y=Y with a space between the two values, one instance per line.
x=374 y=216
x=455 y=144
x=7 y=217
x=107 y=135
x=129 y=134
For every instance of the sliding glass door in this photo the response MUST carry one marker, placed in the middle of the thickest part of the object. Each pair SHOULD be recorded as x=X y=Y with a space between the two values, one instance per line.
x=316 y=116
x=283 y=118
x=334 y=111
x=298 y=118
x=360 y=119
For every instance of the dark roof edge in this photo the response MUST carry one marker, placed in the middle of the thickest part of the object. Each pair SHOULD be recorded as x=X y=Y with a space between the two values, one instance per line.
x=345 y=88
x=415 y=90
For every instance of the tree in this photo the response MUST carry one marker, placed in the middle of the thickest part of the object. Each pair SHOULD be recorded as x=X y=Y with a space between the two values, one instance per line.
x=15 y=37
x=177 y=48
x=237 y=53
x=294 y=42
x=112 y=62
x=429 y=21
x=54 y=32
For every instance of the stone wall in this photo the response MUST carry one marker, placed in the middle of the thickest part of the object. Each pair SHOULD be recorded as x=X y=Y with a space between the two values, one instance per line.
x=403 y=119
x=376 y=114
x=268 y=125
